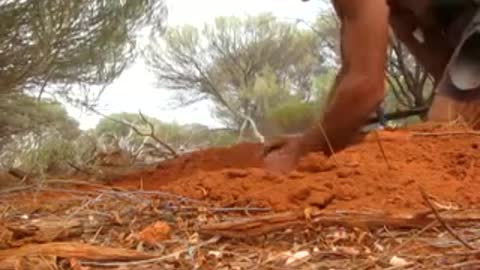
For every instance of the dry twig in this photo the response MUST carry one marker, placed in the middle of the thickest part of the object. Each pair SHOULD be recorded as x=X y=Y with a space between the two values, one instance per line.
x=446 y=133
x=442 y=221
x=382 y=150
x=136 y=130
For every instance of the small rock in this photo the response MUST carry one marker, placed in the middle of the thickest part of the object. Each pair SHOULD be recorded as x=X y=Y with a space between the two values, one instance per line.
x=272 y=177
x=408 y=182
x=328 y=185
x=344 y=173
x=301 y=194
x=316 y=164
x=216 y=254
x=320 y=199
x=155 y=233
x=397 y=261
x=297 y=256
x=296 y=175
x=236 y=173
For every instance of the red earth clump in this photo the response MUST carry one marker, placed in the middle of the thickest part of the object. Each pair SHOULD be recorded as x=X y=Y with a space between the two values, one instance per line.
x=445 y=162
x=246 y=155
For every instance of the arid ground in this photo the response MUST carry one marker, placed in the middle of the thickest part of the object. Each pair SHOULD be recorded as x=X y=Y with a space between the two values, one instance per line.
x=401 y=199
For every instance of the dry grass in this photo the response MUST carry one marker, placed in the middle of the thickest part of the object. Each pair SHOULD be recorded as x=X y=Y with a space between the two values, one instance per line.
x=99 y=228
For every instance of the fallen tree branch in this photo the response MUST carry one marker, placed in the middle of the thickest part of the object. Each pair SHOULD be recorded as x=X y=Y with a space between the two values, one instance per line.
x=153 y=259
x=18 y=173
x=264 y=224
x=75 y=250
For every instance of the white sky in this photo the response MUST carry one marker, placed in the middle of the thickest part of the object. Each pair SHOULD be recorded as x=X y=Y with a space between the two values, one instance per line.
x=135 y=89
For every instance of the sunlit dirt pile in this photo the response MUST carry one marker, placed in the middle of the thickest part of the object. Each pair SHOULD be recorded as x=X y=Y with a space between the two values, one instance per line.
x=240 y=156
x=444 y=161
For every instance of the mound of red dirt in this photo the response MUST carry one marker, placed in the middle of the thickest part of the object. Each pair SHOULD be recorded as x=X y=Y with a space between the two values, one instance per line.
x=445 y=162
x=241 y=156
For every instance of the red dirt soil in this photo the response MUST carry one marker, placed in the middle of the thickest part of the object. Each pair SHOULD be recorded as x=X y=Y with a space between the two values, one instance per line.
x=445 y=162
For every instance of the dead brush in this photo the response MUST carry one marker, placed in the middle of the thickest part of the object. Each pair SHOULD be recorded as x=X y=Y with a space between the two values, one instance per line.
x=84 y=228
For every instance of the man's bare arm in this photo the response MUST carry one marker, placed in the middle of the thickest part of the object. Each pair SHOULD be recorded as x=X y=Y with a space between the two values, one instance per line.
x=360 y=87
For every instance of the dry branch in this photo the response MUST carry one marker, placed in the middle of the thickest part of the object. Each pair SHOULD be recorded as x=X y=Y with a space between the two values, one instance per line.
x=136 y=129
x=45 y=230
x=447 y=133
x=153 y=136
x=155 y=259
x=74 y=250
x=443 y=222
x=259 y=225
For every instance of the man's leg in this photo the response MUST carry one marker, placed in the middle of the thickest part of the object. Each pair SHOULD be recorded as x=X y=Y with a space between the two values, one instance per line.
x=434 y=51
x=458 y=92
x=429 y=47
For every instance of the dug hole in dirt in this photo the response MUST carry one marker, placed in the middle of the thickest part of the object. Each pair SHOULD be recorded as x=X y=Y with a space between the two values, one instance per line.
x=384 y=173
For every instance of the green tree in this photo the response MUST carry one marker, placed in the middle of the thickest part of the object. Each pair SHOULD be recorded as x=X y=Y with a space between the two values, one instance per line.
x=293 y=117
x=22 y=114
x=35 y=135
x=64 y=42
x=50 y=154
x=242 y=65
x=56 y=45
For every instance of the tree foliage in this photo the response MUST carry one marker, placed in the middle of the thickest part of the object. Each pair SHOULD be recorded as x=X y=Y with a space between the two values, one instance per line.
x=293 y=117
x=49 y=155
x=243 y=65
x=64 y=42
x=56 y=45
x=35 y=135
x=21 y=114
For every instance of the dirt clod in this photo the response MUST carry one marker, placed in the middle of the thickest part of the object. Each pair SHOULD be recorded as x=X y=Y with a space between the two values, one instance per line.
x=155 y=233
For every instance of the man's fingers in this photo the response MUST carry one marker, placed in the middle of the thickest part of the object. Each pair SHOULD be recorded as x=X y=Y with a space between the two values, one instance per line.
x=272 y=146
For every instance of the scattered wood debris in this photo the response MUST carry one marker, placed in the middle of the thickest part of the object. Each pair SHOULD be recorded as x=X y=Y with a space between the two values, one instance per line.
x=81 y=229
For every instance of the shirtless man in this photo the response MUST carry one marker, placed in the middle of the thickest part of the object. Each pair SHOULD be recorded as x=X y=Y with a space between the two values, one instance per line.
x=431 y=29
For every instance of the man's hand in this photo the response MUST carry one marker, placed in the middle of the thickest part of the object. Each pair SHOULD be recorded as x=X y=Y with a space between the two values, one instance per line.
x=281 y=155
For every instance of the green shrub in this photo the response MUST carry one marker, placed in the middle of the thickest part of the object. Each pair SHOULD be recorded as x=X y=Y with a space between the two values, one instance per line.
x=292 y=117
x=49 y=156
